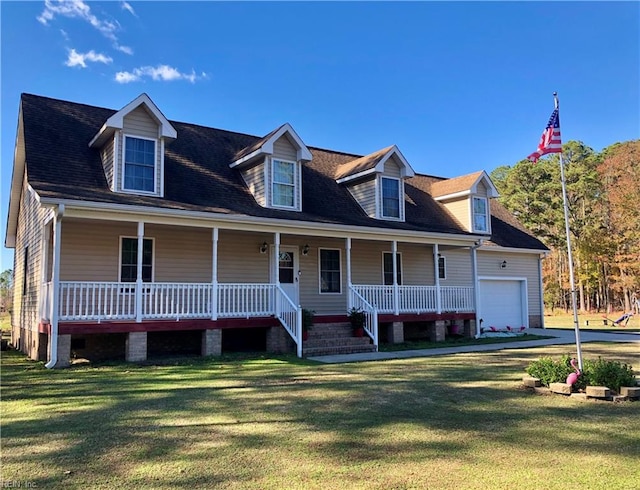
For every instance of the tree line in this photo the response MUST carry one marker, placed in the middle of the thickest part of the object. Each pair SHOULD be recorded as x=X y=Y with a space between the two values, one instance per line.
x=603 y=191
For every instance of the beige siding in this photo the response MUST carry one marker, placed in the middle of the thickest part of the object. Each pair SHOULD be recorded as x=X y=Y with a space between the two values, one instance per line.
x=239 y=258
x=282 y=148
x=459 y=209
x=254 y=178
x=519 y=266
x=29 y=233
x=481 y=189
x=90 y=249
x=182 y=255
x=458 y=268
x=365 y=194
x=107 y=154
x=140 y=123
x=392 y=167
x=366 y=263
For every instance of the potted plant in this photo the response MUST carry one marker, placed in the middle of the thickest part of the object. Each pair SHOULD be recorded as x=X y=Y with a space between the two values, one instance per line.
x=357 y=317
x=307 y=322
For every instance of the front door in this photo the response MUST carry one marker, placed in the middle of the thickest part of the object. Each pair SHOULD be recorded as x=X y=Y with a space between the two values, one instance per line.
x=288 y=272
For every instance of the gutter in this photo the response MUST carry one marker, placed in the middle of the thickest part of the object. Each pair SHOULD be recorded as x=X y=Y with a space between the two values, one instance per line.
x=474 y=264
x=53 y=358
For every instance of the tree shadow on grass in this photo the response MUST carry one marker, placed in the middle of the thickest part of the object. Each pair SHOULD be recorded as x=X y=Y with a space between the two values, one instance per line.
x=211 y=422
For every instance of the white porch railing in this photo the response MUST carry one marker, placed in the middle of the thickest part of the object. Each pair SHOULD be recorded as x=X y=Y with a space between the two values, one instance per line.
x=117 y=301
x=245 y=300
x=356 y=300
x=171 y=300
x=459 y=299
x=417 y=299
x=290 y=315
x=46 y=296
x=97 y=301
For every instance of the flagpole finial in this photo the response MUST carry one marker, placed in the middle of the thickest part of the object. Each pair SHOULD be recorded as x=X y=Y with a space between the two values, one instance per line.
x=555 y=99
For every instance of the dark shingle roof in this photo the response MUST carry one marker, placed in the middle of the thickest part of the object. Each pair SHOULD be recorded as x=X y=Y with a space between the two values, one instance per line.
x=61 y=165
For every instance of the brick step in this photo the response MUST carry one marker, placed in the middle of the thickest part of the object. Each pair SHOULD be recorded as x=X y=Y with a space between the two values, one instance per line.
x=329 y=351
x=330 y=330
x=337 y=341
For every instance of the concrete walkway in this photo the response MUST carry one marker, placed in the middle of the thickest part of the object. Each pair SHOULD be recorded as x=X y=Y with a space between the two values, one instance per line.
x=559 y=337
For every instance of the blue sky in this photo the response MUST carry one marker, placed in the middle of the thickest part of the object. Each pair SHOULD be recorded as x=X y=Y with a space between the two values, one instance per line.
x=458 y=86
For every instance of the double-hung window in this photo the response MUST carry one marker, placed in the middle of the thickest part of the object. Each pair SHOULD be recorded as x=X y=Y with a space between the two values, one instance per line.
x=129 y=259
x=139 y=164
x=390 y=197
x=330 y=281
x=480 y=214
x=387 y=268
x=283 y=183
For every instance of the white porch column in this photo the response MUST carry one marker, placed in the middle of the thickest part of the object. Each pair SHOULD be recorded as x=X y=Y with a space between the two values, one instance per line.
x=436 y=268
x=396 y=296
x=349 y=284
x=139 y=272
x=214 y=274
x=476 y=291
x=276 y=267
x=55 y=295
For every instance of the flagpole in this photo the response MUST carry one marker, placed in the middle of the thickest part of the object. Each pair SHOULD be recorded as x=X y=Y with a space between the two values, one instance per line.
x=574 y=293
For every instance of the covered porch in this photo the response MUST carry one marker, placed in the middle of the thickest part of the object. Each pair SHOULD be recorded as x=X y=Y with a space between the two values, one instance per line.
x=248 y=274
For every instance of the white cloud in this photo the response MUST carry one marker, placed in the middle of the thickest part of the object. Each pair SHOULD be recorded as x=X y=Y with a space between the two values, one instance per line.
x=127 y=6
x=164 y=73
x=80 y=59
x=124 y=49
x=77 y=9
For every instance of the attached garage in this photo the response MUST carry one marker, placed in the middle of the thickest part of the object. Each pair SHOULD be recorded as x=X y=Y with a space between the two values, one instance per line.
x=503 y=302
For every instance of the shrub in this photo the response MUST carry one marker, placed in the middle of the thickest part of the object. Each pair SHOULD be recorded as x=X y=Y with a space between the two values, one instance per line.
x=549 y=371
x=611 y=374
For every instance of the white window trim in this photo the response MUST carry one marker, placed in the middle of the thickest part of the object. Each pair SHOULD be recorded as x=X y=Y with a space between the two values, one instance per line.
x=401 y=271
x=296 y=184
x=155 y=166
x=444 y=262
x=380 y=213
x=320 y=271
x=487 y=215
x=153 y=255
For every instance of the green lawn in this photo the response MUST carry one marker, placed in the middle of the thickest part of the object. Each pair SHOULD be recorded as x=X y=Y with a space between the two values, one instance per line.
x=446 y=422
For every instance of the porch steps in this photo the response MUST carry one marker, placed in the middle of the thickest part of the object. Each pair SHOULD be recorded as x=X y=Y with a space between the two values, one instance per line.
x=335 y=338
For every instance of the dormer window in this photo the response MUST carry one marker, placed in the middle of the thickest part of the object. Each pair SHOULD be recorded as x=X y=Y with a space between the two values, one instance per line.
x=139 y=164
x=283 y=183
x=390 y=198
x=480 y=215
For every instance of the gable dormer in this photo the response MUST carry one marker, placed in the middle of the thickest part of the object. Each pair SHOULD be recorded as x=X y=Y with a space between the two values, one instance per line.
x=131 y=144
x=468 y=199
x=376 y=182
x=272 y=168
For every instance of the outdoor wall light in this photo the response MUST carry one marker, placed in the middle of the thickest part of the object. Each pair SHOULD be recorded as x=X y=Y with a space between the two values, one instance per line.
x=305 y=250
x=264 y=247
x=503 y=265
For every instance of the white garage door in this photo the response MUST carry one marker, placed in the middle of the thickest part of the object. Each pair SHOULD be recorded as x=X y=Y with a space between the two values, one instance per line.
x=501 y=304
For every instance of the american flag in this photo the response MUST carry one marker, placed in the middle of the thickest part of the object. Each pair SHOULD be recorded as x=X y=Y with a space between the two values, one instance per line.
x=550 y=139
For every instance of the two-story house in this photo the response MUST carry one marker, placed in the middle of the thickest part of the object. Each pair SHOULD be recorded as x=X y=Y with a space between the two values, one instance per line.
x=135 y=235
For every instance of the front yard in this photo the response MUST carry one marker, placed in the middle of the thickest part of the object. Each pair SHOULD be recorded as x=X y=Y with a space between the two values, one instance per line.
x=447 y=422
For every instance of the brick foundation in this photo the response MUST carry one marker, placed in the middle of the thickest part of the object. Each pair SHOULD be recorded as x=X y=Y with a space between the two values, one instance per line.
x=64 y=351
x=395 y=333
x=437 y=331
x=279 y=341
x=136 y=347
x=211 y=342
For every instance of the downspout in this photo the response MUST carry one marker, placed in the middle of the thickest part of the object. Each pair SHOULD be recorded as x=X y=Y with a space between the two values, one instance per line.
x=474 y=271
x=55 y=283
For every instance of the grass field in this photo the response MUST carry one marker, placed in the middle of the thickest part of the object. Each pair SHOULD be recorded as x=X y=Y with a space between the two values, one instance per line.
x=446 y=422
x=560 y=319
